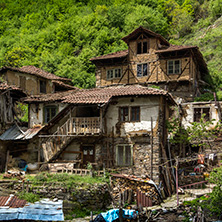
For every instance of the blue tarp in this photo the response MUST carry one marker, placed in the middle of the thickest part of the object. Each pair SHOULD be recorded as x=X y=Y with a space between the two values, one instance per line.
x=44 y=210
x=113 y=214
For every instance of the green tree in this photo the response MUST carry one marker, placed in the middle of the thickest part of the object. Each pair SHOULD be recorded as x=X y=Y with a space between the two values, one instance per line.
x=215 y=203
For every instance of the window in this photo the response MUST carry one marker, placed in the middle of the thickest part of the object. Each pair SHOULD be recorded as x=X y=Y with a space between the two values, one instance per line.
x=49 y=113
x=129 y=114
x=124 y=155
x=135 y=114
x=142 y=47
x=42 y=86
x=142 y=70
x=124 y=114
x=198 y=112
x=174 y=67
x=113 y=74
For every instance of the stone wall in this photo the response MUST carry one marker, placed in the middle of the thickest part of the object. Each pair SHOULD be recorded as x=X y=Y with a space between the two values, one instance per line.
x=93 y=197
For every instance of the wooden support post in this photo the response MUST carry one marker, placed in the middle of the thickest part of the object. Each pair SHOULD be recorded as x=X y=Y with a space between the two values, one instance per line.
x=120 y=214
x=104 y=170
x=151 y=174
x=91 y=216
x=7 y=159
x=177 y=181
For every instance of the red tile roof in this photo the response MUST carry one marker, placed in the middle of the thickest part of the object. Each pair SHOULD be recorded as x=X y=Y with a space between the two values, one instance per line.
x=97 y=95
x=103 y=95
x=4 y=86
x=49 y=97
x=36 y=71
x=12 y=201
x=15 y=91
x=119 y=54
x=62 y=84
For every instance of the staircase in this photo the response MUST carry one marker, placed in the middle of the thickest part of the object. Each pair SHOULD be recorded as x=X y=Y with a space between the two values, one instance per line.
x=72 y=128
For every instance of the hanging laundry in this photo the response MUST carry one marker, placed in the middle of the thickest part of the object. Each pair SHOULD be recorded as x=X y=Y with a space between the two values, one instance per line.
x=211 y=156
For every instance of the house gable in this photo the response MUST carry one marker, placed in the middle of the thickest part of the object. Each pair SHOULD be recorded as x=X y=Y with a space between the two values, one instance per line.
x=151 y=60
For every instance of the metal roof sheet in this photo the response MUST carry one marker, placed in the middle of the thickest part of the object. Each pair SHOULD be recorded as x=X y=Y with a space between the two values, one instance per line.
x=44 y=210
x=17 y=133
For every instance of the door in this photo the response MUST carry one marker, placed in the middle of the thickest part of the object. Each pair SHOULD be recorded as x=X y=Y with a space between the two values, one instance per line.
x=88 y=154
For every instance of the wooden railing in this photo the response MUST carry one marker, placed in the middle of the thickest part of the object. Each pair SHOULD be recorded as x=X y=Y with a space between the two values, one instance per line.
x=64 y=134
x=85 y=125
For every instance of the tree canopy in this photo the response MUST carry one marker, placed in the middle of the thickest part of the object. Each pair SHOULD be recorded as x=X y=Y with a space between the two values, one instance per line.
x=61 y=36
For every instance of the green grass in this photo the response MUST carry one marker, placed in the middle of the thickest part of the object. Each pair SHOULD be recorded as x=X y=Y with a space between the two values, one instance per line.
x=80 y=213
x=68 y=180
x=30 y=197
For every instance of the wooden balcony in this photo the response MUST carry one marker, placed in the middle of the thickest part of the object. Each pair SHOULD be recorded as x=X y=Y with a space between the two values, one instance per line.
x=84 y=126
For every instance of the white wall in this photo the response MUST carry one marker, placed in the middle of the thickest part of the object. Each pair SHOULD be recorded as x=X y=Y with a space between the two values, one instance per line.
x=149 y=107
x=36 y=112
x=189 y=112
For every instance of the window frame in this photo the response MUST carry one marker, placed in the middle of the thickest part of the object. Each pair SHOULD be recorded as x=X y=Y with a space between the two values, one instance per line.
x=131 y=114
x=174 y=67
x=120 y=113
x=45 y=112
x=124 y=155
x=142 y=72
x=119 y=72
x=197 y=119
x=129 y=108
x=141 y=47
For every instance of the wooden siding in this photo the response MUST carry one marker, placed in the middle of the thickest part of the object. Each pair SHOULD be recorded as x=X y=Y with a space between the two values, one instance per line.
x=157 y=68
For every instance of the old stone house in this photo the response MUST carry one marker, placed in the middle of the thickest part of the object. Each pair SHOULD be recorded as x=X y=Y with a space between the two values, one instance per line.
x=120 y=126
x=9 y=95
x=152 y=60
x=33 y=80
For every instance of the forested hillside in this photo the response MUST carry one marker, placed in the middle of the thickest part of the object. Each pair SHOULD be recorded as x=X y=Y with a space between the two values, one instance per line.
x=60 y=36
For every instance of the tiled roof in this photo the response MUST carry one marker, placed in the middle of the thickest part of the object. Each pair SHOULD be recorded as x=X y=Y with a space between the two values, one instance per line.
x=141 y=29
x=103 y=95
x=15 y=91
x=175 y=48
x=58 y=96
x=96 y=95
x=4 y=86
x=36 y=71
x=62 y=84
x=119 y=54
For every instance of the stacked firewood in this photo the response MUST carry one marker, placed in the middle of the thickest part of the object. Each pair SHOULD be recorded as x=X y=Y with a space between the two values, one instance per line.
x=128 y=187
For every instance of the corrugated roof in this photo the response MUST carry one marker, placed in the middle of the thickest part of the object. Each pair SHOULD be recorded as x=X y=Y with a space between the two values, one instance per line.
x=20 y=133
x=11 y=201
x=12 y=208
x=36 y=71
x=119 y=54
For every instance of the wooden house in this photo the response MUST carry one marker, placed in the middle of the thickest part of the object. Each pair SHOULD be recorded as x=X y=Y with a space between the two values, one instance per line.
x=33 y=80
x=151 y=60
x=120 y=126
